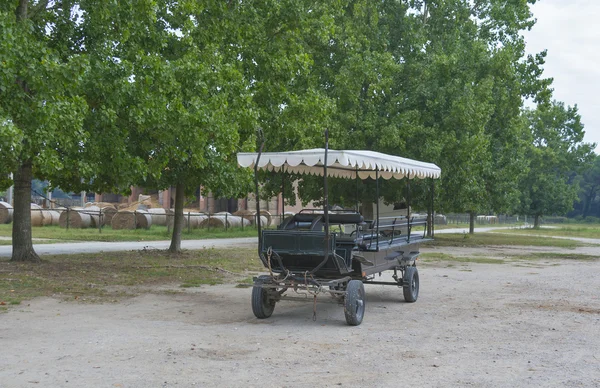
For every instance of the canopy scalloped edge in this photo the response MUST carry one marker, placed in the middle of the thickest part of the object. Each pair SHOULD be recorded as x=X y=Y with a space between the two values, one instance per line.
x=342 y=164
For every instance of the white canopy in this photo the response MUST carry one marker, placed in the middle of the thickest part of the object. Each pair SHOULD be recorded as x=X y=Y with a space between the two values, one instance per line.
x=343 y=164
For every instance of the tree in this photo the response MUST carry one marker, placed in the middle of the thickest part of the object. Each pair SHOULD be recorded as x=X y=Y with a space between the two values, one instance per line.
x=588 y=180
x=556 y=151
x=41 y=112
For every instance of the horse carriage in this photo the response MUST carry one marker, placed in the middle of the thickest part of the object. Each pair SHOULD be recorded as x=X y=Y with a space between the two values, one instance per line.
x=320 y=251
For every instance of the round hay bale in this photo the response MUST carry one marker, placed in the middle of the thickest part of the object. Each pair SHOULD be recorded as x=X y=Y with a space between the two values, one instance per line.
x=268 y=215
x=94 y=212
x=194 y=219
x=101 y=205
x=107 y=214
x=6 y=213
x=264 y=222
x=37 y=218
x=219 y=221
x=46 y=218
x=75 y=218
x=213 y=222
x=51 y=217
x=127 y=219
x=159 y=216
x=247 y=214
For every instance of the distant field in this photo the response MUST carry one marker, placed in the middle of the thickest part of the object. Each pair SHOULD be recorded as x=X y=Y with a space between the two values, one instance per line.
x=495 y=238
x=559 y=230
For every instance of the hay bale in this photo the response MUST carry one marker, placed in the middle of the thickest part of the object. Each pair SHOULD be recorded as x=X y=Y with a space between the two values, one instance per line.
x=6 y=213
x=37 y=218
x=101 y=205
x=51 y=218
x=219 y=221
x=107 y=214
x=268 y=215
x=264 y=222
x=247 y=214
x=250 y=215
x=194 y=219
x=159 y=216
x=94 y=212
x=127 y=219
x=75 y=218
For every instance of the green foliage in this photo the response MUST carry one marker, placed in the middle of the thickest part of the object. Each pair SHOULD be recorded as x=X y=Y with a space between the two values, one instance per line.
x=589 y=193
x=556 y=152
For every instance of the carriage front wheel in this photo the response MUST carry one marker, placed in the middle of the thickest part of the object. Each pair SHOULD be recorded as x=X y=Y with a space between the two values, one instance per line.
x=262 y=304
x=354 y=303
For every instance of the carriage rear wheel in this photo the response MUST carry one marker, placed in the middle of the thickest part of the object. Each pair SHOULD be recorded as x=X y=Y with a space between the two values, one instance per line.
x=354 y=303
x=262 y=304
x=411 y=284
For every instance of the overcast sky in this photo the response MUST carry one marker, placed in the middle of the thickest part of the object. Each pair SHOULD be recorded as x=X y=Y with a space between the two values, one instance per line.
x=570 y=30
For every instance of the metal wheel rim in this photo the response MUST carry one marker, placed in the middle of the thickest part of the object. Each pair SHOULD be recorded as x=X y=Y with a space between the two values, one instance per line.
x=414 y=287
x=359 y=306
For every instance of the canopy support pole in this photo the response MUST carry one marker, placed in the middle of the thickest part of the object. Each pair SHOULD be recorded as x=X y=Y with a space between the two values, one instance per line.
x=377 y=203
x=432 y=208
x=325 y=207
x=326 y=195
x=282 y=194
x=356 y=178
x=258 y=223
x=408 y=207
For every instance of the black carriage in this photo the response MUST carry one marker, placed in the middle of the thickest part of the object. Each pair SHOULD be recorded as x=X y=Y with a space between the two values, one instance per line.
x=320 y=251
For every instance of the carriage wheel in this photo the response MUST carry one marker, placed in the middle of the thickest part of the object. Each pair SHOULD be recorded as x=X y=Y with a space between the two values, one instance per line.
x=411 y=284
x=354 y=303
x=262 y=304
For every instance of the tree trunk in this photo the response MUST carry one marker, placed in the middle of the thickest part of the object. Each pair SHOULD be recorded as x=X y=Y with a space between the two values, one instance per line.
x=178 y=219
x=21 y=234
x=471 y=222
x=536 y=222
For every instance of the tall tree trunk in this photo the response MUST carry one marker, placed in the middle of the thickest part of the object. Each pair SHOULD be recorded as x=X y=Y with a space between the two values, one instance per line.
x=21 y=232
x=536 y=222
x=471 y=222
x=178 y=221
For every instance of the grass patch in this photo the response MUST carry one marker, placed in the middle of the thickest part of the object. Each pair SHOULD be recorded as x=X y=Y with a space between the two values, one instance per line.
x=113 y=275
x=486 y=239
x=155 y=233
x=439 y=257
x=555 y=256
x=560 y=230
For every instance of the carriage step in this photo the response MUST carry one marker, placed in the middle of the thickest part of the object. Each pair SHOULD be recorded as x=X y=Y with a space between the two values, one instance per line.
x=412 y=256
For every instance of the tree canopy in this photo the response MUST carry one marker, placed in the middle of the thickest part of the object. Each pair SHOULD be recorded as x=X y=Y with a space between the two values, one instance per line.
x=163 y=93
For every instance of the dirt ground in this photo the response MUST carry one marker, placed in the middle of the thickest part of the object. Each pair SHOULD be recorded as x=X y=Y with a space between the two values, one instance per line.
x=521 y=324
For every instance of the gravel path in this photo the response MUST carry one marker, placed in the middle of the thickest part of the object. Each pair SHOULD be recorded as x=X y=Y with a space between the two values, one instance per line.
x=477 y=325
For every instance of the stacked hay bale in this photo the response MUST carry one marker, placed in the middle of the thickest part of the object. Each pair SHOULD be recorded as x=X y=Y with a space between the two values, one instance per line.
x=6 y=213
x=131 y=219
